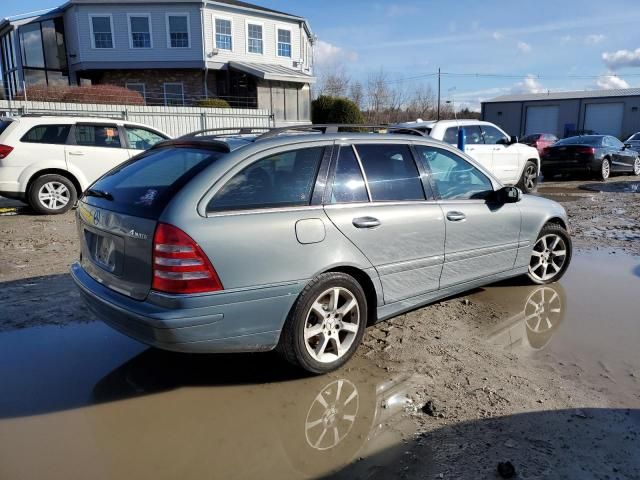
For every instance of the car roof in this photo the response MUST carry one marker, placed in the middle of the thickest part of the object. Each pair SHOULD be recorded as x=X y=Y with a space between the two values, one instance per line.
x=64 y=119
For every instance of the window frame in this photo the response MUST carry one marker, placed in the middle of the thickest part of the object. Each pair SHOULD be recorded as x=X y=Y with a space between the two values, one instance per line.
x=164 y=93
x=255 y=23
x=284 y=28
x=139 y=15
x=168 y=27
x=328 y=192
x=93 y=37
x=144 y=89
x=215 y=33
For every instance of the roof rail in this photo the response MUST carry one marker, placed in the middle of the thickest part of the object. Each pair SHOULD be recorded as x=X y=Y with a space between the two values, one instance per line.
x=337 y=128
x=230 y=131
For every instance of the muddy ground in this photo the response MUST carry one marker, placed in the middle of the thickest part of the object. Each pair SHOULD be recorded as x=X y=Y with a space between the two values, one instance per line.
x=555 y=393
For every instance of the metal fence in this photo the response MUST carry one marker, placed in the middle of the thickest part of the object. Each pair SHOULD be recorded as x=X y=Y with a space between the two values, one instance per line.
x=175 y=121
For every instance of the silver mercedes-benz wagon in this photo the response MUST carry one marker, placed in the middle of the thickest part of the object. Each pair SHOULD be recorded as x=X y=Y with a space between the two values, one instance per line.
x=297 y=239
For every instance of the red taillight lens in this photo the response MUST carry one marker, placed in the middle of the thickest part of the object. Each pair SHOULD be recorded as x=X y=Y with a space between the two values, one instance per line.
x=180 y=265
x=5 y=150
x=587 y=150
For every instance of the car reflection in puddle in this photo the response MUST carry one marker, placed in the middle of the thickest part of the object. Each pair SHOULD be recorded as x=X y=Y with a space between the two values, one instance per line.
x=166 y=415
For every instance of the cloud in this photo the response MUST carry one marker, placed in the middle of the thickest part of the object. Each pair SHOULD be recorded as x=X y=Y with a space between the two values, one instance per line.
x=497 y=35
x=594 y=39
x=524 y=47
x=326 y=54
x=622 y=58
x=400 y=10
x=528 y=85
x=566 y=38
x=610 y=81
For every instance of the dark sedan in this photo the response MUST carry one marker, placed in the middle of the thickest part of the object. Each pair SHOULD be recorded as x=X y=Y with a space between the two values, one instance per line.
x=598 y=156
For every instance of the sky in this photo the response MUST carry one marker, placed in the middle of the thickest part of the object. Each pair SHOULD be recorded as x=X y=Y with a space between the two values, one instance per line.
x=485 y=48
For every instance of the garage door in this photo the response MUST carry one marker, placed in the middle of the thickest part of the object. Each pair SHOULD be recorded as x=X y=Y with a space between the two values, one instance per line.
x=542 y=120
x=604 y=118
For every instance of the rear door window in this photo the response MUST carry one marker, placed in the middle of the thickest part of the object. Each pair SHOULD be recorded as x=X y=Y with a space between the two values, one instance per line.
x=348 y=183
x=144 y=185
x=98 y=136
x=451 y=136
x=282 y=180
x=50 y=134
x=392 y=174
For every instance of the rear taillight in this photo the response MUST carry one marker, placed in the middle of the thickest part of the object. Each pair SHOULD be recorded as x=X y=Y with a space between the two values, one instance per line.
x=587 y=150
x=5 y=150
x=179 y=264
x=546 y=151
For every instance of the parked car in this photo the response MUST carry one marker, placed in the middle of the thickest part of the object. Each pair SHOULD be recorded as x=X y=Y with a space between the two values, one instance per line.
x=598 y=156
x=299 y=241
x=633 y=142
x=48 y=162
x=539 y=141
x=510 y=162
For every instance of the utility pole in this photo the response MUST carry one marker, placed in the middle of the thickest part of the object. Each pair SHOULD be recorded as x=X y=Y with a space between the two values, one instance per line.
x=438 y=93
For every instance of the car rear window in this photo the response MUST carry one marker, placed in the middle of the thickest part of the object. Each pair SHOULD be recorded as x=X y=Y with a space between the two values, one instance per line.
x=143 y=186
x=594 y=140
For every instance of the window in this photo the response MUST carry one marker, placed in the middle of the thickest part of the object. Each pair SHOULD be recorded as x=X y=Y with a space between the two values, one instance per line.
x=51 y=134
x=141 y=138
x=137 y=87
x=254 y=38
x=391 y=172
x=282 y=180
x=614 y=142
x=224 y=39
x=31 y=43
x=101 y=31
x=348 y=184
x=140 y=31
x=173 y=94
x=451 y=135
x=472 y=135
x=284 y=43
x=493 y=136
x=455 y=178
x=98 y=136
x=178 y=29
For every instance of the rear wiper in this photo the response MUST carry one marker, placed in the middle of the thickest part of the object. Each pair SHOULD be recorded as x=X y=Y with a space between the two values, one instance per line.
x=98 y=194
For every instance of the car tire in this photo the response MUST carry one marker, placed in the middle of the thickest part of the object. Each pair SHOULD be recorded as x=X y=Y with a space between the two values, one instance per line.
x=636 y=167
x=529 y=179
x=320 y=337
x=605 y=170
x=52 y=194
x=551 y=255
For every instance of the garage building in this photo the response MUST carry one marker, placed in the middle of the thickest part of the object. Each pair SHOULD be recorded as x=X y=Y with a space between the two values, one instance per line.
x=611 y=112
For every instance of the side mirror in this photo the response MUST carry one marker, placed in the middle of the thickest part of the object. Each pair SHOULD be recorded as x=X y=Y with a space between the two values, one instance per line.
x=514 y=139
x=627 y=145
x=508 y=195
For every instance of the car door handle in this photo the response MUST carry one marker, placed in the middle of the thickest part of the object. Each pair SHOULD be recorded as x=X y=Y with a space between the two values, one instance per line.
x=76 y=153
x=366 y=222
x=456 y=216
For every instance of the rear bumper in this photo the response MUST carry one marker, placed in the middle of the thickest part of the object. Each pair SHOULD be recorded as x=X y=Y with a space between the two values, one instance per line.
x=225 y=322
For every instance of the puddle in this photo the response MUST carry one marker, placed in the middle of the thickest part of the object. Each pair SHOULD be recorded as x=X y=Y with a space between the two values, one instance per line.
x=613 y=187
x=85 y=402
x=588 y=324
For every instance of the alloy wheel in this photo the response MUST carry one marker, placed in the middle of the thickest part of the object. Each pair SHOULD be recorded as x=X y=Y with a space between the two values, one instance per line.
x=54 y=195
x=606 y=169
x=636 y=166
x=548 y=257
x=331 y=325
x=530 y=176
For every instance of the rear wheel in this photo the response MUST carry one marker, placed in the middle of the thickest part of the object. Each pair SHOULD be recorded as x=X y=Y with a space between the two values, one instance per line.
x=551 y=255
x=326 y=324
x=529 y=179
x=636 y=166
x=605 y=170
x=52 y=194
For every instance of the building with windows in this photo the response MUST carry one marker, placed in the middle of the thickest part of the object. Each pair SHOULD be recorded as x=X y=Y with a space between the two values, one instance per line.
x=174 y=52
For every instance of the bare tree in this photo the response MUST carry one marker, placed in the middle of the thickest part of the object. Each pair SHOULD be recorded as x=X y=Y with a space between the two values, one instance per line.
x=333 y=81
x=422 y=103
x=356 y=94
x=378 y=96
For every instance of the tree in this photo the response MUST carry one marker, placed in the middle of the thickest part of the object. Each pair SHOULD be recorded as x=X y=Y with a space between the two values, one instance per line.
x=356 y=94
x=327 y=109
x=333 y=82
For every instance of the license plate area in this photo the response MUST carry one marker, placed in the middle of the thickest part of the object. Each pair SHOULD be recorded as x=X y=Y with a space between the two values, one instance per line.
x=106 y=251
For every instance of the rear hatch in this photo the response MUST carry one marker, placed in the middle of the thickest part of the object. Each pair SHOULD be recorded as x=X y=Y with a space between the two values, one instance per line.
x=118 y=215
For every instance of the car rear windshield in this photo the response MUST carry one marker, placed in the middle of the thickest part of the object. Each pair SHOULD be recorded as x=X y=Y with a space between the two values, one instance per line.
x=595 y=140
x=143 y=186
x=531 y=138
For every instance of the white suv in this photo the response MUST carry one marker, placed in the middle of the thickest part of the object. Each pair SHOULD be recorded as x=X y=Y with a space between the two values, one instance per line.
x=48 y=162
x=511 y=162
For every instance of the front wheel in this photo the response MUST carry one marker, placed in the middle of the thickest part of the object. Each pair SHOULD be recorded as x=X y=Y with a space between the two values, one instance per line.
x=529 y=179
x=326 y=324
x=551 y=255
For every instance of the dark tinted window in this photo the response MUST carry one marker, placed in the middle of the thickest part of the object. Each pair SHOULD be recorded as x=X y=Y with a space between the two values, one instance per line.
x=52 y=134
x=472 y=135
x=531 y=138
x=3 y=125
x=391 y=172
x=492 y=135
x=455 y=178
x=595 y=140
x=98 y=136
x=451 y=136
x=280 y=180
x=143 y=186
x=348 y=184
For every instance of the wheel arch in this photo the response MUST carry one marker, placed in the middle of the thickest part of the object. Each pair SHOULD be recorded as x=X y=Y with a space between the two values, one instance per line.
x=556 y=221
x=54 y=171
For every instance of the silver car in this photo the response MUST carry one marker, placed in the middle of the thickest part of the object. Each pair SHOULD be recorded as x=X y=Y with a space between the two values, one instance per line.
x=297 y=239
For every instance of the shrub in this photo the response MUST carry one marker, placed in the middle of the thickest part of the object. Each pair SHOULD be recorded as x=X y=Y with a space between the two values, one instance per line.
x=102 y=94
x=326 y=109
x=212 y=103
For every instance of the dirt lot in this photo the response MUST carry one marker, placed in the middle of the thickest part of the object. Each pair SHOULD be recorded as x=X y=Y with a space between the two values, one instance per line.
x=560 y=400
